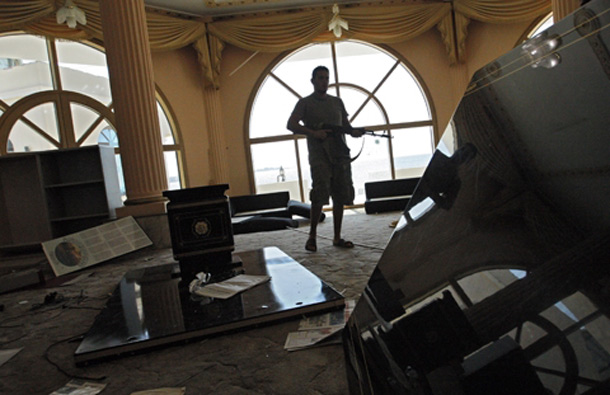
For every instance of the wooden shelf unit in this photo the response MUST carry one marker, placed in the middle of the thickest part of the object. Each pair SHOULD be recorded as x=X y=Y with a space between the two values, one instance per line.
x=49 y=194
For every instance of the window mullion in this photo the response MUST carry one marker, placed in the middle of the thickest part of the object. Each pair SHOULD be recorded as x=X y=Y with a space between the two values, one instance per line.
x=65 y=123
x=285 y=85
x=62 y=110
x=372 y=94
x=90 y=130
x=384 y=77
x=335 y=67
x=54 y=64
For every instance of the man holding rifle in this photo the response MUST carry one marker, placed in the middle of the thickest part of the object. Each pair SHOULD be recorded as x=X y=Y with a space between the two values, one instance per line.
x=316 y=116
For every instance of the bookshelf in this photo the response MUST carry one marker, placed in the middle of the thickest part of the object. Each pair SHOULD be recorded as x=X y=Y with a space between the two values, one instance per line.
x=49 y=194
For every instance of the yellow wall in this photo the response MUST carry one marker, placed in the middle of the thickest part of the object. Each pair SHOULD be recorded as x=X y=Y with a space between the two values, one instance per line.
x=177 y=75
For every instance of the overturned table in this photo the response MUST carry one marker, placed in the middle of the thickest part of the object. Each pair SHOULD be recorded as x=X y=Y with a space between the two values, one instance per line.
x=152 y=307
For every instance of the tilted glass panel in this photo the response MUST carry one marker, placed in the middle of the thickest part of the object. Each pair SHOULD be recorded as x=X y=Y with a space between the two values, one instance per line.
x=517 y=181
x=480 y=285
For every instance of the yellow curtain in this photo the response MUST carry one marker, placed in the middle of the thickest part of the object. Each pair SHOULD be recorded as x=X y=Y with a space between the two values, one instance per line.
x=38 y=16
x=393 y=23
x=48 y=26
x=16 y=13
x=167 y=33
x=502 y=11
x=375 y=24
x=283 y=31
x=273 y=33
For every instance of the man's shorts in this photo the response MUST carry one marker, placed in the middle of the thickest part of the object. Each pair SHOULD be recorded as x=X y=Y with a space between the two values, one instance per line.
x=331 y=180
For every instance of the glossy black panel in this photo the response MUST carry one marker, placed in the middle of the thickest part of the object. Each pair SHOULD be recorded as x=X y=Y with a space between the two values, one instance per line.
x=152 y=306
x=519 y=180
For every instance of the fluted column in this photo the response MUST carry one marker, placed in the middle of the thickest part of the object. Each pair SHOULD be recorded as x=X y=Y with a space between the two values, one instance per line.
x=133 y=92
x=218 y=147
x=563 y=8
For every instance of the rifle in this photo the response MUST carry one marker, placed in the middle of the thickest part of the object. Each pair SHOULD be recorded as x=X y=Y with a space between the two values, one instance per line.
x=348 y=130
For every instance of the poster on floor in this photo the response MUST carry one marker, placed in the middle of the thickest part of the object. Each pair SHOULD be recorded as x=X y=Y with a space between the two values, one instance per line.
x=82 y=249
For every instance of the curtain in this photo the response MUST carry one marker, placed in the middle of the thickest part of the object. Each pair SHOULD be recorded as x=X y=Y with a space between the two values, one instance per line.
x=273 y=33
x=374 y=24
x=278 y=32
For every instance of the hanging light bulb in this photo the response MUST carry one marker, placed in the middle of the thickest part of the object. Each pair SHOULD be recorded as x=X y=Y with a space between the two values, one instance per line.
x=71 y=14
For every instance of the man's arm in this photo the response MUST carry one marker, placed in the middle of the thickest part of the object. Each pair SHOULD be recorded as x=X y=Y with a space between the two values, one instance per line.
x=295 y=126
x=353 y=132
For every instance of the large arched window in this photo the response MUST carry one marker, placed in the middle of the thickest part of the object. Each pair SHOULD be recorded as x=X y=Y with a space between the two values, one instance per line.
x=379 y=92
x=56 y=94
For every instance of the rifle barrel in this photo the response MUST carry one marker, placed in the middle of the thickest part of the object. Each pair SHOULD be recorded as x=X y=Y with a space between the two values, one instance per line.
x=344 y=130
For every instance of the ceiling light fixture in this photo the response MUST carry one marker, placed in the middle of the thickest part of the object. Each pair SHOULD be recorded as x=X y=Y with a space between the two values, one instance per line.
x=337 y=23
x=69 y=13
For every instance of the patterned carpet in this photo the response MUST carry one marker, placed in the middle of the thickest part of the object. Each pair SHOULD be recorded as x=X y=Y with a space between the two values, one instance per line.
x=250 y=361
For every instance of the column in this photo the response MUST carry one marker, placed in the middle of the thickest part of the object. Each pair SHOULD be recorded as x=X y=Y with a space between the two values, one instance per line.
x=133 y=92
x=563 y=8
x=218 y=147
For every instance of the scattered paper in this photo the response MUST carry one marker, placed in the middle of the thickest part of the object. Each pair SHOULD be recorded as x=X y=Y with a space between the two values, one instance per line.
x=89 y=247
x=227 y=288
x=313 y=330
x=80 y=387
x=329 y=320
x=5 y=355
x=162 y=391
x=303 y=339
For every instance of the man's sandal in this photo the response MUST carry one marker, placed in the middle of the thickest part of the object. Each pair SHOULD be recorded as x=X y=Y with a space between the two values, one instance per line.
x=341 y=243
x=311 y=245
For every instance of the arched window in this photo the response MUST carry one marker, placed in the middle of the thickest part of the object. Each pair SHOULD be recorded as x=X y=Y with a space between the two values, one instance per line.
x=379 y=91
x=56 y=94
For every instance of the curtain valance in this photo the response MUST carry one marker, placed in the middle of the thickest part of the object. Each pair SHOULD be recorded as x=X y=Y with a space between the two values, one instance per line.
x=284 y=31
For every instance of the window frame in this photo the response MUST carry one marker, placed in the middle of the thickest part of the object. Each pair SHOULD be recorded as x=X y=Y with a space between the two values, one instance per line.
x=62 y=100
x=289 y=136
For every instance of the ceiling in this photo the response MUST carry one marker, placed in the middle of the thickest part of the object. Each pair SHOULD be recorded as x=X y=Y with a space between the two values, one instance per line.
x=218 y=8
